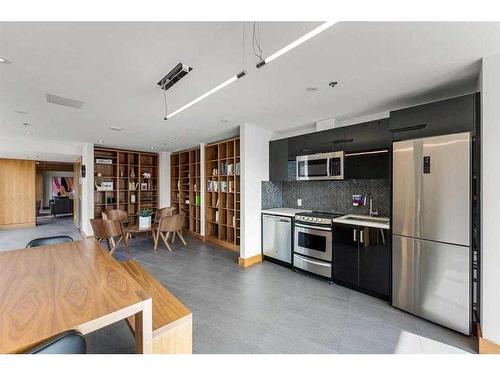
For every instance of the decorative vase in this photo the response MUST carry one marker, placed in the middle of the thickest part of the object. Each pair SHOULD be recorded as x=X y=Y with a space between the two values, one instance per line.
x=132 y=198
x=144 y=221
x=132 y=174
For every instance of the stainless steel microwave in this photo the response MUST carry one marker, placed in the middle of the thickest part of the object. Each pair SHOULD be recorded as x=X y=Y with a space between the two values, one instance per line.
x=325 y=166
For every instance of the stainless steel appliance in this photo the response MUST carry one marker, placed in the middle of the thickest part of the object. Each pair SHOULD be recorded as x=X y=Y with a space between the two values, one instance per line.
x=325 y=166
x=313 y=243
x=277 y=237
x=431 y=229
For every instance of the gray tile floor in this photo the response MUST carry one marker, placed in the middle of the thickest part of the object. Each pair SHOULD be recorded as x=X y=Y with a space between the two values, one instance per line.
x=270 y=309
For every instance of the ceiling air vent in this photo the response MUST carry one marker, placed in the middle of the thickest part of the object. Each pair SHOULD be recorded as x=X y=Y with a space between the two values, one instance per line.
x=61 y=100
x=174 y=76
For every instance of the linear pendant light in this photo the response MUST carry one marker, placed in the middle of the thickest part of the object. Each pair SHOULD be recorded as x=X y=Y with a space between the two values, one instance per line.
x=296 y=43
x=201 y=97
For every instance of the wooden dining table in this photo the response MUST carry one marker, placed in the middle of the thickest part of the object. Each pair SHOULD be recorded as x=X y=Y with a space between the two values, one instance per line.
x=47 y=290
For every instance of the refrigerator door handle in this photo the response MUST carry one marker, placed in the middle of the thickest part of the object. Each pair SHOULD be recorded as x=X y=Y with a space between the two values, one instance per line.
x=355 y=233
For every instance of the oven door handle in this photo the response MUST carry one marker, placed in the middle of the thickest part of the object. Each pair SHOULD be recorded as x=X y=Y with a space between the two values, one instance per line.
x=324 y=229
x=323 y=264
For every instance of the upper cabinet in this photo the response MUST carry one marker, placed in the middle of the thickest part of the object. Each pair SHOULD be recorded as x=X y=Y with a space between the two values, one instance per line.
x=448 y=116
x=368 y=136
x=278 y=160
x=312 y=143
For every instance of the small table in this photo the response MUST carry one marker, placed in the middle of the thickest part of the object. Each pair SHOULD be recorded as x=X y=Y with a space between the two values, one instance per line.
x=47 y=290
x=135 y=229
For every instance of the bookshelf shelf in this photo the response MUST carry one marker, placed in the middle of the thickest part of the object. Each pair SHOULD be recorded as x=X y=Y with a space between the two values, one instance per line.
x=126 y=167
x=222 y=185
x=185 y=183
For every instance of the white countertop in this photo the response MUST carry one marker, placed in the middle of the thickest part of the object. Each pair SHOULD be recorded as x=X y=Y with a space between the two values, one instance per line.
x=284 y=211
x=363 y=221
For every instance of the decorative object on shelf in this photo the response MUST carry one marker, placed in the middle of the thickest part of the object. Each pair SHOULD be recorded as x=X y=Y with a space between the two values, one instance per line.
x=103 y=161
x=144 y=186
x=132 y=173
x=121 y=173
x=132 y=186
x=110 y=200
x=198 y=199
x=101 y=185
x=187 y=201
x=132 y=198
x=146 y=175
x=99 y=174
x=145 y=218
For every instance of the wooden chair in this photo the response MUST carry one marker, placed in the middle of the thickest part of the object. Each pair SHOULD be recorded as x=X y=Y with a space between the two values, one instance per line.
x=164 y=211
x=170 y=224
x=108 y=230
x=42 y=241
x=120 y=215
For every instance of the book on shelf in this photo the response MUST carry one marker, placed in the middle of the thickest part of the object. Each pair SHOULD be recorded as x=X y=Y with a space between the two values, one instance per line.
x=231 y=186
x=217 y=204
x=237 y=169
x=230 y=169
x=216 y=216
x=223 y=186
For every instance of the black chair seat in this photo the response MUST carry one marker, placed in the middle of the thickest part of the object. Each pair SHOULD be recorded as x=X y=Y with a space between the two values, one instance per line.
x=48 y=241
x=70 y=342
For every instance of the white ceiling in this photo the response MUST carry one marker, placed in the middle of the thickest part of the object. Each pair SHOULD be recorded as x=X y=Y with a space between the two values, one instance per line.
x=114 y=67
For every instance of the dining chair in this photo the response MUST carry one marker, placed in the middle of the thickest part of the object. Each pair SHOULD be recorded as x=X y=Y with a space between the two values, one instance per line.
x=69 y=342
x=170 y=224
x=120 y=215
x=42 y=241
x=164 y=211
x=108 y=230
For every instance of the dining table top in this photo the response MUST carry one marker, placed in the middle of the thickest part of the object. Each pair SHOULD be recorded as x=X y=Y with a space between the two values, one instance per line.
x=51 y=289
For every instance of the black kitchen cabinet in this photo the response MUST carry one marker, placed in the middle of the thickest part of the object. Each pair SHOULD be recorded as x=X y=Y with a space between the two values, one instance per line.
x=312 y=143
x=345 y=253
x=368 y=136
x=448 y=116
x=362 y=258
x=278 y=160
x=367 y=166
x=375 y=260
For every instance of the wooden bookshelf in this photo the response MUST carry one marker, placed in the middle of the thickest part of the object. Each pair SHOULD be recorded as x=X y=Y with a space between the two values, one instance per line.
x=222 y=196
x=126 y=168
x=185 y=187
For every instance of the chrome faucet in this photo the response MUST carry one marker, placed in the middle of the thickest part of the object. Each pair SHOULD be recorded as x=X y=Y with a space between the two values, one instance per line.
x=372 y=213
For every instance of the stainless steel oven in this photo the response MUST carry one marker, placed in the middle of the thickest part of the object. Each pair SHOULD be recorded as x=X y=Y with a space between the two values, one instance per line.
x=313 y=241
x=325 y=166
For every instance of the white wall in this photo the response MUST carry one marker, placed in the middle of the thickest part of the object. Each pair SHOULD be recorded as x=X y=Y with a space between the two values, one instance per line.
x=87 y=189
x=254 y=149
x=164 y=166
x=490 y=200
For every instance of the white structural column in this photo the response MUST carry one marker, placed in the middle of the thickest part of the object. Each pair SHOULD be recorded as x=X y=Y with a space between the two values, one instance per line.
x=164 y=165
x=87 y=193
x=490 y=200
x=254 y=149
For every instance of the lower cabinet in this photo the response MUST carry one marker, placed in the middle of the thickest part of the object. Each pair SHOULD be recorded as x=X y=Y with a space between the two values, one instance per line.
x=362 y=258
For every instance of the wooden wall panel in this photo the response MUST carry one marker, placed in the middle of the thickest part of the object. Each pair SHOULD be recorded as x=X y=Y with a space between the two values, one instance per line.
x=39 y=187
x=17 y=193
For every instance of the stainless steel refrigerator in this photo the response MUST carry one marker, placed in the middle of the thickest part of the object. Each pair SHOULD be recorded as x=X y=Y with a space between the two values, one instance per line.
x=431 y=253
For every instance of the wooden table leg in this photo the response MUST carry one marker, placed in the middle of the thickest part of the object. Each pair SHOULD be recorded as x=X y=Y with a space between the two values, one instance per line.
x=144 y=329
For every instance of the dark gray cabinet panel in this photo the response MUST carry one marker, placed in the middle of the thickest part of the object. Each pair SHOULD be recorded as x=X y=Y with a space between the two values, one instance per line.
x=368 y=136
x=324 y=141
x=278 y=160
x=444 y=117
x=345 y=253
x=362 y=258
x=367 y=166
x=375 y=260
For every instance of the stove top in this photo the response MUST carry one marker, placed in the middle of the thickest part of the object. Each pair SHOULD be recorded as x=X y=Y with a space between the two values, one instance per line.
x=316 y=217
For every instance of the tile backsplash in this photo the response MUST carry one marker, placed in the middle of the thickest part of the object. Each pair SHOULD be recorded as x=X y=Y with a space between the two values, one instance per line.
x=329 y=196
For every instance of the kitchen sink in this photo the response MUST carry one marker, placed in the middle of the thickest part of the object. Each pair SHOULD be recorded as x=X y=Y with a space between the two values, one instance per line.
x=370 y=219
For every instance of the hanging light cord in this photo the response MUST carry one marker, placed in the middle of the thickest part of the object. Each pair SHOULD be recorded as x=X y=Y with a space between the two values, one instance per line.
x=256 y=41
x=165 y=99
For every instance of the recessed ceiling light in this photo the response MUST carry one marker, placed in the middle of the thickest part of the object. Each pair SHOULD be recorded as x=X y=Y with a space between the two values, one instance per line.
x=28 y=132
x=152 y=147
x=4 y=60
x=38 y=153
x=116 y=128
x=21 y=112
x=26 y=124
x=177 y=139
x=100 y=141
x=311 y=89
x=333 y=83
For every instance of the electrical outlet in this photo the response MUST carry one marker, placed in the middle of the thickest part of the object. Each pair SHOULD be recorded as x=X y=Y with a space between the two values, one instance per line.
x=299 y=202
